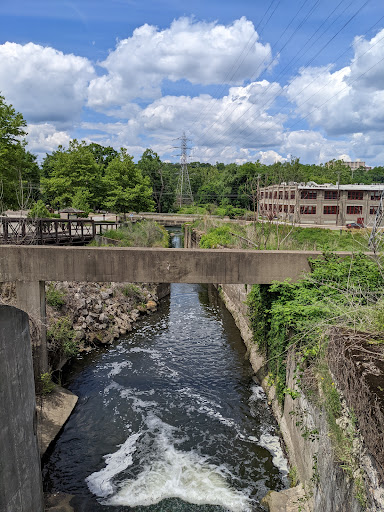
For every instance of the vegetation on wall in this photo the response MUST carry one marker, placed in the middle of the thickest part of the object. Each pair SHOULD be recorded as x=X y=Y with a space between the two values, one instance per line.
x=337 y=292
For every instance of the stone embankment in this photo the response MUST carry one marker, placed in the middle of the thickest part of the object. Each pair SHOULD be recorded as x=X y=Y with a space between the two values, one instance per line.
x=98 y=313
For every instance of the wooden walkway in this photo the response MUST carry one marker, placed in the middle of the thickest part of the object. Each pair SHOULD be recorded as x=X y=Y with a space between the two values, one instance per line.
x=24 y=231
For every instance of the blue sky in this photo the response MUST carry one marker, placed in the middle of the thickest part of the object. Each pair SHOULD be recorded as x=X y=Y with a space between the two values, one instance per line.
x=244 y=79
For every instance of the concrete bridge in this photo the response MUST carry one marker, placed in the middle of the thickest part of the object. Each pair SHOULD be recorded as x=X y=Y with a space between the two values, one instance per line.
x=31 y=266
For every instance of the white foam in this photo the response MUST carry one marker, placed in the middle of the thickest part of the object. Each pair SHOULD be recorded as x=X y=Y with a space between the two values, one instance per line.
x=167 y=472
x=184 y=475
x=258 y=393
x=117 y=367
x=272 y=444
x=100 y=482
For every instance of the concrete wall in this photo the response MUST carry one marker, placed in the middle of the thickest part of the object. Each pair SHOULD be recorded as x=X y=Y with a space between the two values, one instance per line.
x=150 y=265
x=20 y=474
x=328 y=488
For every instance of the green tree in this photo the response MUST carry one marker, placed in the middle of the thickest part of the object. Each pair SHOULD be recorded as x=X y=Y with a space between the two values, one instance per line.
x=19 y=172
x=162 y=178
x=126 y=188
x=69 y=173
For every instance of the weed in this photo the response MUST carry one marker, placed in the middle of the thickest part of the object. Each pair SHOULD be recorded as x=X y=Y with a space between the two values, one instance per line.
x=54 y=296
x=62 y=335
x=47 y=386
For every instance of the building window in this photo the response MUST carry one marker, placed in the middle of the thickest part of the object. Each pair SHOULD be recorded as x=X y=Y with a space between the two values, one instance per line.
x=355 y=195
x=354 y=210
x=285 y=195
x=308 y=194
x=373 y=210
x=285 y=208
x=375 y=196
x=331 y=210
x=307 y=210
x=270 y=207
x=275 y=195
x=330 y=194
x=292 y=194
x=280 y=195
x=261 y=195
x=270 y=195
x=291 y=208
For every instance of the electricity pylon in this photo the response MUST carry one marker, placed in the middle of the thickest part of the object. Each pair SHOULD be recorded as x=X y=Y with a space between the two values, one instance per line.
x=183 y=191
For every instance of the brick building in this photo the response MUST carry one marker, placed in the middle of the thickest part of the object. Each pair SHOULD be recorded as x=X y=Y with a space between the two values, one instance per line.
x=310 y=203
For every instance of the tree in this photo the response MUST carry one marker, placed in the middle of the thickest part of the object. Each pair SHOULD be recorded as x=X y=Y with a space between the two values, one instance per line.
x=12 y=126
x=162 y=178
x=70 y=173
x=126 y=188
x=18 y=168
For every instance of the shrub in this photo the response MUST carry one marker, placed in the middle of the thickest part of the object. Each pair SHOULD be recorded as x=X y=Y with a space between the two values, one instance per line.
x=47 y=386
x=54 y=296
x=62 y=335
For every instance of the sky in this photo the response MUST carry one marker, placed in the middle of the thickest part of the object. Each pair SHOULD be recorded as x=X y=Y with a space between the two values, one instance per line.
x=245 y=80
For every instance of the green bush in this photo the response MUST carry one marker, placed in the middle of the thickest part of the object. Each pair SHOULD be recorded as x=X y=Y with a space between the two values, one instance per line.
x=140 y=234
x=46 y=384
x=62 y=335
x=54 y=296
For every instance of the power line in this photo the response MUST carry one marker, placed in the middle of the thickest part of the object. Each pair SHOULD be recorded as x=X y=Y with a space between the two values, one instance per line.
x=272 y=99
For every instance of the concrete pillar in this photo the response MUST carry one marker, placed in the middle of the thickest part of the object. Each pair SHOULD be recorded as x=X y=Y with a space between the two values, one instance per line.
x=30 y=297
x=20 y=472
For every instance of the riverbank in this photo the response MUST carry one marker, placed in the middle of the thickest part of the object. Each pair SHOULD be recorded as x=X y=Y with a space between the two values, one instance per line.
x=325 y=486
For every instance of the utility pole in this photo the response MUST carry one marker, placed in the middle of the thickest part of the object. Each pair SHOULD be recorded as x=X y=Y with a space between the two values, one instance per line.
x=183 y=191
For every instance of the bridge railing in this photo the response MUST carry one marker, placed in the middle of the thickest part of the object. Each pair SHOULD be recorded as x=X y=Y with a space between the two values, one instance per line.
x=25 y=231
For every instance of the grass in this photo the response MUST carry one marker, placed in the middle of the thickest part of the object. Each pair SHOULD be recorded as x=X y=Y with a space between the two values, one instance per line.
x=270 y=236
x=146 y=233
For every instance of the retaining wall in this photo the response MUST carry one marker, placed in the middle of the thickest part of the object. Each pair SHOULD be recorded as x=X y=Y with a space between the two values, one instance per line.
x=20 y=472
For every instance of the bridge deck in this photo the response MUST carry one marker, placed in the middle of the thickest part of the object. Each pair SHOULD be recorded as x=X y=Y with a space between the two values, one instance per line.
x=149 y=265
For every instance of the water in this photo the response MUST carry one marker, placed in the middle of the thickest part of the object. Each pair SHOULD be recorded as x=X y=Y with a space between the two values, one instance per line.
x=169 y=419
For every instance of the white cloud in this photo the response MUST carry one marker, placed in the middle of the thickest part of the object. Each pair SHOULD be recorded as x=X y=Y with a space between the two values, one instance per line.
x=345 y=101
x=44 y=84
x=44 y=138
x=312 y=147
x=200 y=52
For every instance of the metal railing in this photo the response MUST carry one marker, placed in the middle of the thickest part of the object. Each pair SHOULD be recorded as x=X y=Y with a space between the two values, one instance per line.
x=24 y=231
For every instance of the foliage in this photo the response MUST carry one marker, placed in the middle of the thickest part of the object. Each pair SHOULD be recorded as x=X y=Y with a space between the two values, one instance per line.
x=132 y=291
x=287 y=313
x=61 y=334
x=81 y=201
x=69 y=171
x=271 y=236
x=40 y=211
x=19 y=172
x=126 y=188
x=162 y=178
x=47 y=386
x=140 y=234
x=55 y=297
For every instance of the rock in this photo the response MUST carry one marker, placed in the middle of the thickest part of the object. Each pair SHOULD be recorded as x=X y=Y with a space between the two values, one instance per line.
x=89 y=320
x=285 y=501
x=151 y=305
x=104 y=295
x=141 y=308
x=103 y=317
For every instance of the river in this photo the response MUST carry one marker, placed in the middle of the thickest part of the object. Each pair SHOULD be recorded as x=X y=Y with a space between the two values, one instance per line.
x=169 y=418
